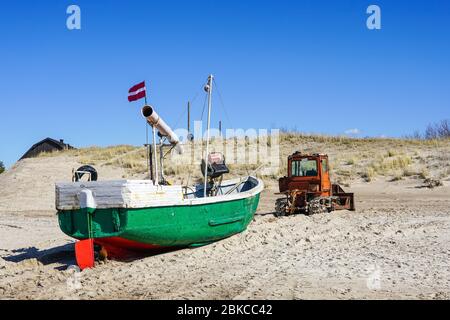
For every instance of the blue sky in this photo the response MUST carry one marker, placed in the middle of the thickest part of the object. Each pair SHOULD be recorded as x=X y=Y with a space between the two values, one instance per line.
x=310 y=65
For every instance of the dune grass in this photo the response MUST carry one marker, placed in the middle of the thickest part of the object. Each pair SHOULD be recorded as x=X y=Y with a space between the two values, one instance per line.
x=350 y=158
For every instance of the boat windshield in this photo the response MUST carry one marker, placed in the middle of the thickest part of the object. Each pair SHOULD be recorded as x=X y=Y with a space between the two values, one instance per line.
x=304 y=168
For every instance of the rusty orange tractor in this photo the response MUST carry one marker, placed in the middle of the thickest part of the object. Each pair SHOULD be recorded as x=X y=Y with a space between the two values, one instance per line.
x=308 y=189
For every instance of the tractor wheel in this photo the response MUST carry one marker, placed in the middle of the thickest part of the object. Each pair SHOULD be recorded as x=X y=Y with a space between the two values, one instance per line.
x=315 y=207
x=280 y=207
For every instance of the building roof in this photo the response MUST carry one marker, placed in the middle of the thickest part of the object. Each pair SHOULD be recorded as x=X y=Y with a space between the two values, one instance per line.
x=58 y=145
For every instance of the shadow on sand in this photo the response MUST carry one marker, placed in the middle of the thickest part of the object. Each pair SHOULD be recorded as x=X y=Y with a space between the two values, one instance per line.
x=273 y=213
x=64 y=255
x=60 y=255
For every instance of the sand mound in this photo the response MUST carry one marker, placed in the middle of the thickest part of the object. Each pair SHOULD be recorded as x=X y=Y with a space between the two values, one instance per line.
x=396 y=245
x=29 y=186
x=2 y=263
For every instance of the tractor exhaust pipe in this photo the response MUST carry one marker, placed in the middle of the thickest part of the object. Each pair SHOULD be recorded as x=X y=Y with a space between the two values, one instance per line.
x=158 y=123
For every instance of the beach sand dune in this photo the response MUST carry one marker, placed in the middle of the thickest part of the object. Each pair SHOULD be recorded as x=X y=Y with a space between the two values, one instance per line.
x=396 y=245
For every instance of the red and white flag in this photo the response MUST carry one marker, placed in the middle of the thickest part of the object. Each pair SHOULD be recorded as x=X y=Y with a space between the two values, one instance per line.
x=137 y=92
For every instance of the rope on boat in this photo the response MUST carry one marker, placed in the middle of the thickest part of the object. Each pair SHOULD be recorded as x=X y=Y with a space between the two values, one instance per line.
x=222 y=104
x=204 y=106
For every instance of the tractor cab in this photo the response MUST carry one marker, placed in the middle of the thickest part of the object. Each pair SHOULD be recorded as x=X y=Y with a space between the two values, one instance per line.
x=308 y=187
x=308 y=172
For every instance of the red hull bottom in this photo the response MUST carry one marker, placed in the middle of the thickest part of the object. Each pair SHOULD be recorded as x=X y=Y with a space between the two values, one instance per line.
x=120 y=248
x=114 y=248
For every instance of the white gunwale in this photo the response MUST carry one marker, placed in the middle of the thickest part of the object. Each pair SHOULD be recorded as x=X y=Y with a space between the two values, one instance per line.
x=136 y=194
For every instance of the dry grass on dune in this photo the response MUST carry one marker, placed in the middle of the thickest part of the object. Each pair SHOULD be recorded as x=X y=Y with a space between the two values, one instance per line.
x=351 y=159
x=93 y=154
x=367 y=159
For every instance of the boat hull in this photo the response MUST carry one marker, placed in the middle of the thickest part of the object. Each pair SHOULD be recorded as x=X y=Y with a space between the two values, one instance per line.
x=159 y=228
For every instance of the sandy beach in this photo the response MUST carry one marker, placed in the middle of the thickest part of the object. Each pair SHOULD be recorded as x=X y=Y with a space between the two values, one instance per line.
x=295 y=150
x=395 y=246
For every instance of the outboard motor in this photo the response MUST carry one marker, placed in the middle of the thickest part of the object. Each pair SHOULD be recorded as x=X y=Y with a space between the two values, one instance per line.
x=216 y=168
x=216 y=165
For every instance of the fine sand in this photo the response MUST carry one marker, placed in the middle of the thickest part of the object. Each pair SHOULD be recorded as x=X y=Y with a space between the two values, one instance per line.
x=396 y=245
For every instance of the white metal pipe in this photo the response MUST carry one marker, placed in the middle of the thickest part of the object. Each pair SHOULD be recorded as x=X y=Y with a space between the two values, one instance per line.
x=157 y=122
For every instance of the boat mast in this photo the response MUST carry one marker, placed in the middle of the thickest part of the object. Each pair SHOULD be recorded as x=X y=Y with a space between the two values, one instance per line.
x=209 y=90
x=155 y=182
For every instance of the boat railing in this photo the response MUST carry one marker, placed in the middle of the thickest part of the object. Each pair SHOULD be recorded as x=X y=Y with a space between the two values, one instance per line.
x=186 y=193
x=236 y=186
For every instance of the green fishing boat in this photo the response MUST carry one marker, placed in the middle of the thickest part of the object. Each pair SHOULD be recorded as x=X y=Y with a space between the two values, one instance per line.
x=123 y=217
x=131 y=215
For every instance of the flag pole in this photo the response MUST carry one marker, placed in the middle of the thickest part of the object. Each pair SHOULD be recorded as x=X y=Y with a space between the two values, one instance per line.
x=155 y=176
x=155 y=181
x=146 y=148
x=149 y=153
